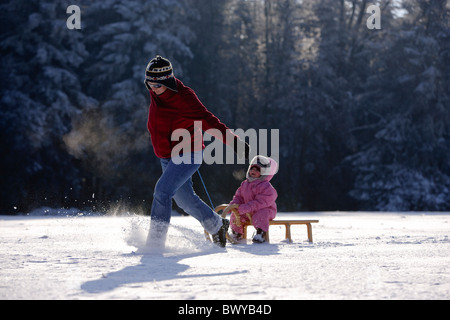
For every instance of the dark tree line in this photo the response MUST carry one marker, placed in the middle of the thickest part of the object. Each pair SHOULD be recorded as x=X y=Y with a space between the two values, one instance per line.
x=363 y=114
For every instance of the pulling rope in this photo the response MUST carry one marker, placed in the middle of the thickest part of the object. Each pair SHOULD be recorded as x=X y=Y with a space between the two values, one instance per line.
x=206 y=190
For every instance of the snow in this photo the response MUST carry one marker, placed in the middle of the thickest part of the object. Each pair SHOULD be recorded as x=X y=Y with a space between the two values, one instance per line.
x=355 y=255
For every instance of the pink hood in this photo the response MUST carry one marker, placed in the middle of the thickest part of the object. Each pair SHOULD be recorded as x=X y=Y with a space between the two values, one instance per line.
x=268 y=167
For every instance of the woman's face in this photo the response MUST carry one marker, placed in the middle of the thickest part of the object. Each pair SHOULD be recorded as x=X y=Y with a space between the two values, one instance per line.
x=156 y=90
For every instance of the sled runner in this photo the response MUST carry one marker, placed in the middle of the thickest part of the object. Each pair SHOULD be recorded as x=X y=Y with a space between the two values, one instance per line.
x=287 y=223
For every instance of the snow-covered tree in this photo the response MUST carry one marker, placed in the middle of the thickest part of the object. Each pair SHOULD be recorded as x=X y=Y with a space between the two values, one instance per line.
x=404 y=164
x=121 y=38
x=40 y=93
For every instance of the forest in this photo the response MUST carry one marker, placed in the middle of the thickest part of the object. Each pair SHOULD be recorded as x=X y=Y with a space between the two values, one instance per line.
x=363 y=113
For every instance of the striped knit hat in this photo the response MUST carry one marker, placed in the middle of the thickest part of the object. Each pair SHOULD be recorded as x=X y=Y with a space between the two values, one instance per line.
x=159 y=70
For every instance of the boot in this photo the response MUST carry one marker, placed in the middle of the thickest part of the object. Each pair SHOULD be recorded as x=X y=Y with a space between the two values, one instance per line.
x=260 y=236
x=220 y=238
x=156 y=239
x=236 y=237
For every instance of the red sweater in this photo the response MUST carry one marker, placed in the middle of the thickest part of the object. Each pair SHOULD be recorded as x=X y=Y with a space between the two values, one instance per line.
x=178 y=110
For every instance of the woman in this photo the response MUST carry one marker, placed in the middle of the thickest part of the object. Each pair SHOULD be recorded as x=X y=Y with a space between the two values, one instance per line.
x=174 y=106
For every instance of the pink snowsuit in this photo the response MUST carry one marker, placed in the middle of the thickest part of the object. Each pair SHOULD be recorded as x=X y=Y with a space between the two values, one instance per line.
x=257 y=198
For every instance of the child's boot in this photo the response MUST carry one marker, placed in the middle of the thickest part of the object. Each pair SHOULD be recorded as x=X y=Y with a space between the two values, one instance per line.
x=260 y=236
x=236 y=237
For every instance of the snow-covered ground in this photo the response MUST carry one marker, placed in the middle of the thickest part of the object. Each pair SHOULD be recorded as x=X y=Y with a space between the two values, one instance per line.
x=354 y=256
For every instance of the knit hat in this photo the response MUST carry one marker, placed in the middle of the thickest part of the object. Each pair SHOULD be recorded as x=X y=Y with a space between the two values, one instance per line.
x=159 y=70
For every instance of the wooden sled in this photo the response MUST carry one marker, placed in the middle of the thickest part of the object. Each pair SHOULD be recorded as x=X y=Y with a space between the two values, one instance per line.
x=287 y=223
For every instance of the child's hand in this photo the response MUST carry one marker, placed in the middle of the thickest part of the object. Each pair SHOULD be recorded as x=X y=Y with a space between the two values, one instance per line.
x=231 y=207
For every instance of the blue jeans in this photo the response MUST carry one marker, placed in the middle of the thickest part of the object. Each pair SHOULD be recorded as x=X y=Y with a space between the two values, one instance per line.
x=176 y=183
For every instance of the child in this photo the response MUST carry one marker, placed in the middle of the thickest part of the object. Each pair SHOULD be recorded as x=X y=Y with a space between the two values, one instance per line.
x=256 y=197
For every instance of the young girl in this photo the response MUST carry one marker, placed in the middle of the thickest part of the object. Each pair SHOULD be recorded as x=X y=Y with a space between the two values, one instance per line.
x=256 y=197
